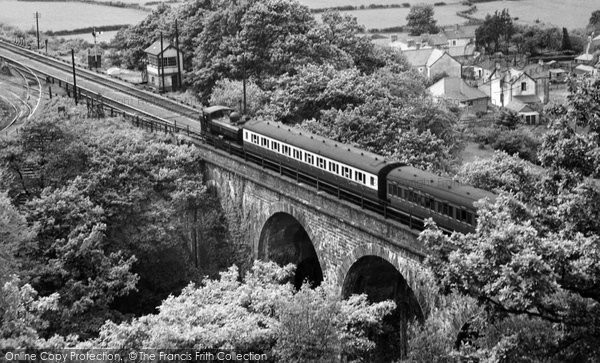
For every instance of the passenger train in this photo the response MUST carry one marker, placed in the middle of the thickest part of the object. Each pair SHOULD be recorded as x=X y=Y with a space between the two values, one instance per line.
x=402 y=192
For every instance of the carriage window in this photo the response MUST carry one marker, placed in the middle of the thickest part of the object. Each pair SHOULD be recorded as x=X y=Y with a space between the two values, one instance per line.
x=297 y=154
x=346 y=172
x=392 y=189
x=372 y=181
x=308 y=158
x=264 y=142
x=320 y=162
x=450 y=211
x=275 y=145
x=255 y=139
x=360 y=177
x=469 y=217
x=246 y=137
x=333 y=167
x=285 y=150
x=432 y=204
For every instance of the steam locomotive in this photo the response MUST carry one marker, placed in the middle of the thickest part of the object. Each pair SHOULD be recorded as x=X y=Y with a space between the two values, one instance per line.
x=402 y=192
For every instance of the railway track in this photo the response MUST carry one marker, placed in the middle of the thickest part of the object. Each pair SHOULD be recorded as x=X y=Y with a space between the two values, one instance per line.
x=106 y=81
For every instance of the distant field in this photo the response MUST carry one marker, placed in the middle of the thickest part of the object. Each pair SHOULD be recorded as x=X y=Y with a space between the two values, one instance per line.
x=67 y=15
x=72 y=15
x=332 y=3
x=385 y=18
x=563 y=13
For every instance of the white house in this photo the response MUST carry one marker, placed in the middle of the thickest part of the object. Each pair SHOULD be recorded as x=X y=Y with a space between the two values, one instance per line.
x=164 y=65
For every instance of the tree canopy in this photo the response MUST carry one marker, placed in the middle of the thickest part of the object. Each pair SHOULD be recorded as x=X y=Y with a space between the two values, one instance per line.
x=103 y=213
x=259 y=313
x=420 y=20
x=532 y=262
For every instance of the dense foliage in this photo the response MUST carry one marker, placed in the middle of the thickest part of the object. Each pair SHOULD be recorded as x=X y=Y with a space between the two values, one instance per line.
x=260 y=314
x=532 y=263
x=101 y=213
x=420 y=20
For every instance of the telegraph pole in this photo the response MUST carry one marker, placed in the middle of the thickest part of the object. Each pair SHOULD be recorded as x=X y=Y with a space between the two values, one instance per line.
x=162 y=66
x=179 y=67
x=244 y=78
x=37 y=27
x=74 y=80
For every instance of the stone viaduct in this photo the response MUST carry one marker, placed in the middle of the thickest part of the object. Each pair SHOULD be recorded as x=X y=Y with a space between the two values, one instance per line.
x=361 y=251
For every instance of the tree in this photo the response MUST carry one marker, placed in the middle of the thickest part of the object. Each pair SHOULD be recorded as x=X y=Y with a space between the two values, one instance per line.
x=420 y=20
x=566 y=40
x=567 y=145
x=496 y=30
x=594 y=23
x=230 y=93
x=113 y=210
x=533 y=259
x=257 y=313
x=21 y=311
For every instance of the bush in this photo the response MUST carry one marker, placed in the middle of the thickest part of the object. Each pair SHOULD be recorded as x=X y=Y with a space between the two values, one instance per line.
x=520 y=142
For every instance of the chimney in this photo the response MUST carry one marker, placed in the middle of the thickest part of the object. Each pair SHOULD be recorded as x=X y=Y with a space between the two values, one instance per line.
x=587 y=50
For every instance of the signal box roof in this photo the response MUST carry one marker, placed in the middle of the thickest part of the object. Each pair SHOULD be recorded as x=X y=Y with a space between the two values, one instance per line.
x=154 y=48
x=349 y=155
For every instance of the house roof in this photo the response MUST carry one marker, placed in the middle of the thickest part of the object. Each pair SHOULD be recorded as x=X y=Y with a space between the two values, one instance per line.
x=527 y=99
x=582 y=68
x=458 y=89
x=417 y=57
x=518 y=106
x=434 y=56
x=461 y=32
x=462 y=51
x=585 y=57
x=154 y=48
x=557 y=70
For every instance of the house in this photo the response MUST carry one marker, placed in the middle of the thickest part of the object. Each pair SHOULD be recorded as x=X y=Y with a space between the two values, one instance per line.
x=458 y=92
x=460 y=35
x=164 y=66
x=458 y=41
x=525 y=111
x=587 y=57
x=504 y=85
x=517 y=90
x=558 y=75
x=584 y=70
x=431 y=62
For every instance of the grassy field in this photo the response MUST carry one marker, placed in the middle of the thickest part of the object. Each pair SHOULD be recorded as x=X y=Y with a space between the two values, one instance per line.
x=71 y=15
x=67 y=15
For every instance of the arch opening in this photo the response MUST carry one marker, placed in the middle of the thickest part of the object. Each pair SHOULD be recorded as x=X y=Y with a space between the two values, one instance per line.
x=284 y=240
x=380 y=281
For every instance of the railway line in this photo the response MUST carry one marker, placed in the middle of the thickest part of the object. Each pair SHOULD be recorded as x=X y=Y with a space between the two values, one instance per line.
x=114 y=93
x=184 y=120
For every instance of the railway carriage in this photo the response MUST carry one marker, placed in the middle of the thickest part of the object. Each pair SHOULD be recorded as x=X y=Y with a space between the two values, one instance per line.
x=403 y=192
x=338 y=164
x=427 y=195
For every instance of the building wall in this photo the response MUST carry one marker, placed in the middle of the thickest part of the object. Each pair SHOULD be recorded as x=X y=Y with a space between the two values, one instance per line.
x=460 y=42
x=445 y=64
